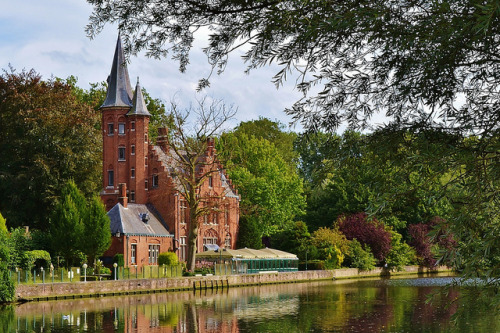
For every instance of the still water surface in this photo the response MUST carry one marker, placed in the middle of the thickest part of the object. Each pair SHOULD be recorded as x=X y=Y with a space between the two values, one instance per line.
x=395 y=305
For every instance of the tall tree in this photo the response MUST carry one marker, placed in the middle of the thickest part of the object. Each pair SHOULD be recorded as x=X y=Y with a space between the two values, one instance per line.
x=192 y=161
x=272 y=192
x=96 y=236
x=48 y=136
x=67 y=222
x=274 y=132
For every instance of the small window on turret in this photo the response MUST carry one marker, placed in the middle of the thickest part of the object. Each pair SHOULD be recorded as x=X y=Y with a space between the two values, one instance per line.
x=132 y=196
x=132 y=150
x=132 y=126
x=146 y=137
x=121 y=128
x=111 y=129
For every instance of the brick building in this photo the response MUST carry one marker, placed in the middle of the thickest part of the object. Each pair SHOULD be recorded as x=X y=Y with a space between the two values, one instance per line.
x=143 y=198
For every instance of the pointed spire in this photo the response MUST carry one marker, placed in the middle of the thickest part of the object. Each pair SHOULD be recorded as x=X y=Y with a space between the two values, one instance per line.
x=139 y=107
x=119 y=89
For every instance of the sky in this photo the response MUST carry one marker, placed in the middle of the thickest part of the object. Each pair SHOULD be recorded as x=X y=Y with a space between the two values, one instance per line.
x=49 y=37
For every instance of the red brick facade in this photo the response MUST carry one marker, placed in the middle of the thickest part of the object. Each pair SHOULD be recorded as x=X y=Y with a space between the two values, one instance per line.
x=130 y=159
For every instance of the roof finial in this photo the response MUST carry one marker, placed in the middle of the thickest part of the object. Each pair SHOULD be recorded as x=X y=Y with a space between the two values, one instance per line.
x=137 y=80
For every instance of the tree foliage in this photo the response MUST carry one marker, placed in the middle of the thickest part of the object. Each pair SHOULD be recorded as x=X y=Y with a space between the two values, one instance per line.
x=249 y=233
x=271 y=191
x=411 y=60
x=67 y=222
x=332 y=246
x=96 y=236
x=367 y=231
x=48 y=136
x=7 y=287
x=359 y=256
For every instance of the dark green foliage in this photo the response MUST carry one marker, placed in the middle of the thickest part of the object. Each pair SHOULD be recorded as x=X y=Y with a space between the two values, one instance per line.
x=19 y=242
x=359 y=256
x=66 y=223
x=96 y=236
x=294 y=240
x=168 y=258
x=7 y=287
x=401 y=254
x=249 y=234
x=78 y=226
x=119 y=260
x=36 y=258
x=48 y=137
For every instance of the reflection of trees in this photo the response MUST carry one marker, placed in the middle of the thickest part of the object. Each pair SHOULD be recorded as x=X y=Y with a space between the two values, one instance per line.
x=357 y=306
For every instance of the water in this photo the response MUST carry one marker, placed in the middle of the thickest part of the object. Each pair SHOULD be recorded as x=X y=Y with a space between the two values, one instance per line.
x=395 y=305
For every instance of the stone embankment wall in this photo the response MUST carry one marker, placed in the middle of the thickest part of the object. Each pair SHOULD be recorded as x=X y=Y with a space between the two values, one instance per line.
x=139 y=286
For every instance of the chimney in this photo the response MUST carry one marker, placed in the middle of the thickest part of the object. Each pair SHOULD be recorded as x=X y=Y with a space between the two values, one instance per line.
x=162 y=139
x=210 y=146
x=123 y=200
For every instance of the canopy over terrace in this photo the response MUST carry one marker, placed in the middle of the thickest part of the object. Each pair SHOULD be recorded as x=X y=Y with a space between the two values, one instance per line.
x=250 y=260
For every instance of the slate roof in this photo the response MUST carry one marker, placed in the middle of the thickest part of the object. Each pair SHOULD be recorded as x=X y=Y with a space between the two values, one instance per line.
x=129 y=221
x=119 y=90
x=139 y=106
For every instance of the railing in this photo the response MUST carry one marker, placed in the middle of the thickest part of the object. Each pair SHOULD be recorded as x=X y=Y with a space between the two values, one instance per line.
x=77 y=274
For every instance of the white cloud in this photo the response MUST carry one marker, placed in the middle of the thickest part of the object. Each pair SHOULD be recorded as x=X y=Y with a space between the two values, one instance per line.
x=49 y=36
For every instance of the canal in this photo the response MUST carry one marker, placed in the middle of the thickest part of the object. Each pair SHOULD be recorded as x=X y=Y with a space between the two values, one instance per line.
x=367 y=305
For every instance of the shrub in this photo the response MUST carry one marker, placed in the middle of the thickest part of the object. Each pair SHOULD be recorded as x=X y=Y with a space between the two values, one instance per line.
x=367 y=232
x=332 y=246
x=401 y=254
x=168 y=258
x=360 y=256
x=38 y=258
x=421 y=241
x=118 y=259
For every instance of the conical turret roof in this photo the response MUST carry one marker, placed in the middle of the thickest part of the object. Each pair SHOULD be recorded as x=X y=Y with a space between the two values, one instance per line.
x=119 y=89
x=139 y=106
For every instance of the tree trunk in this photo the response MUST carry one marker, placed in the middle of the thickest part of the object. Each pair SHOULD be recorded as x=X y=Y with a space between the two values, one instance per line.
x=192 y=240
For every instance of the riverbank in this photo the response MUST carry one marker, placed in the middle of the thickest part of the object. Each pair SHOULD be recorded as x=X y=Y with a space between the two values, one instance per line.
x=54 y=291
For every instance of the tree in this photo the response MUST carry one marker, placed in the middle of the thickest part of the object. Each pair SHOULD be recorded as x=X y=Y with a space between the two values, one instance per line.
x=96 y=236
x=7 y=288
x=48 y=137
x=272 y=192
x=193 y=162
x=409 y=59
x=332 y=246
x=367 y=231
x=249 y=233
x=67 y=222
x=274 y=132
